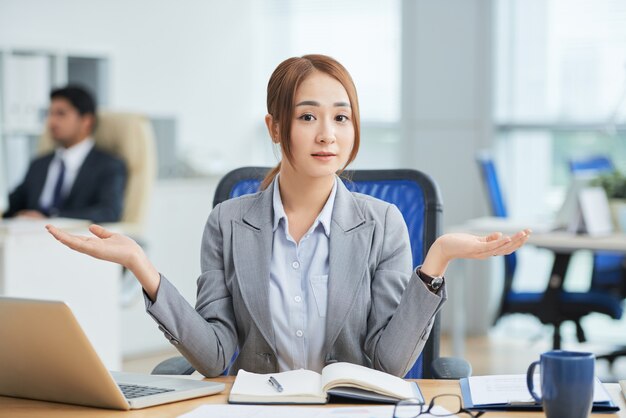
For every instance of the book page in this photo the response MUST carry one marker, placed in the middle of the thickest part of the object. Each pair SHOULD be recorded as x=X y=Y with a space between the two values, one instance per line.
x=353 y=375
x=299 y=383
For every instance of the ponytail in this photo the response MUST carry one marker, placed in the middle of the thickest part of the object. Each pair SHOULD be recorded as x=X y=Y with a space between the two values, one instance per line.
x=269 y=177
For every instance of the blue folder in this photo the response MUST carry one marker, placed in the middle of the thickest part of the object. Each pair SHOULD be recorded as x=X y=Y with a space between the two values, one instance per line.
x=606 y=407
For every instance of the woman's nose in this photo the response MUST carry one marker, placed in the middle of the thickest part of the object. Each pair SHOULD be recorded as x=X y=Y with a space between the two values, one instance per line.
x=326 y=135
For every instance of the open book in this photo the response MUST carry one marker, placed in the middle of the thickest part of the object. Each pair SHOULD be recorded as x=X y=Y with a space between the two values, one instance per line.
x=306 y=386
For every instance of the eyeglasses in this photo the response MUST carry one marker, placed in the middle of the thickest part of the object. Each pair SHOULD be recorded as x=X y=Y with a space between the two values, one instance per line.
x=439 y=406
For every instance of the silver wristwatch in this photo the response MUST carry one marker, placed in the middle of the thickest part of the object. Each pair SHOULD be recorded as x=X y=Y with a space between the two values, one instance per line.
x=432 y=282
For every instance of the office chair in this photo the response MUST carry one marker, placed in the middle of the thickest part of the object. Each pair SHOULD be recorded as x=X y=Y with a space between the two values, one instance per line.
x=609 y=269
x=591 y=166
x=130 y=137
x=555 y=305
x=417 y=197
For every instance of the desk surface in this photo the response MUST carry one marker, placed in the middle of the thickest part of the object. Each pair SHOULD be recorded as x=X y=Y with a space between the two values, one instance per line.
x=543 y=238
x=18 y=408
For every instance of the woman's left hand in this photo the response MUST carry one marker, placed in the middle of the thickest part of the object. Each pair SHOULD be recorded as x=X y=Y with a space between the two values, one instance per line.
x=460 y=245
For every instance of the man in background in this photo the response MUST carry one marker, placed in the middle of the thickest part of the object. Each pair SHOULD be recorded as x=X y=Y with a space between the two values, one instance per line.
x=76 y=180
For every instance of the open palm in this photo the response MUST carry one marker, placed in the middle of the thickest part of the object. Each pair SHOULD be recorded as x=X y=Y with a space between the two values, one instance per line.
x=461 y=245
x=104 y=245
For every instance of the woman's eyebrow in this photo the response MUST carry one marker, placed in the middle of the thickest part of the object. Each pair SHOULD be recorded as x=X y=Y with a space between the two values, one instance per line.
x=314 y=103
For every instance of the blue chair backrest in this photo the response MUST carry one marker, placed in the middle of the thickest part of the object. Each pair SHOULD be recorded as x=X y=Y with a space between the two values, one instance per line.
x=496 y=203
x=594 y=165
x=490 y=178
x=414 y=193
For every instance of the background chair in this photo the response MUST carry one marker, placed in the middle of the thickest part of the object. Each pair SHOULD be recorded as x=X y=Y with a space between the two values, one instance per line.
x=130 y=137
x=417 y=197
x=591 y=166
x=609 y=269
x=555 y=305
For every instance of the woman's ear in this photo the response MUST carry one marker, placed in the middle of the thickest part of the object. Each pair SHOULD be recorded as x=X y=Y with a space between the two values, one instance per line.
x=272 y=128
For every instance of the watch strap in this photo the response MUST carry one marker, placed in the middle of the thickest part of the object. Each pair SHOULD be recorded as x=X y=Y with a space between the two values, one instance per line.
x=433 y=283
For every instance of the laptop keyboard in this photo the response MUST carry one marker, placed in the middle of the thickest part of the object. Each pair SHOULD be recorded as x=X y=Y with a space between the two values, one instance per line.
x=136 y=391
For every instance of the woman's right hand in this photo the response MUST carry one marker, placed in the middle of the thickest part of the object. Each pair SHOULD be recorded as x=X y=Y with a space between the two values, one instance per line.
x=106 y=245
x=117 y=248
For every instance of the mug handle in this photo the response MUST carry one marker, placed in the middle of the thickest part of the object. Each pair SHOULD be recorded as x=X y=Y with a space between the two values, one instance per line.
x=529 y=380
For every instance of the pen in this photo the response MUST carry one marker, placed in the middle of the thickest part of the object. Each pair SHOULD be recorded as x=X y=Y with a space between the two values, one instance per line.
x=275 y=384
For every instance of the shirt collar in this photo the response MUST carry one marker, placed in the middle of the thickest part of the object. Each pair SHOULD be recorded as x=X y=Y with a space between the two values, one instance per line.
x=74 y=156
x=323 y=218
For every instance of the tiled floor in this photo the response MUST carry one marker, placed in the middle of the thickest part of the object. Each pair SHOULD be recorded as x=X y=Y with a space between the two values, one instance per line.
x=145 y=363
x=511 y=346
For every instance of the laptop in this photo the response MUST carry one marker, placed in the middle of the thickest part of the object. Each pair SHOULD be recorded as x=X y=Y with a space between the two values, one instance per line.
x=566 y=219
x=45 y=355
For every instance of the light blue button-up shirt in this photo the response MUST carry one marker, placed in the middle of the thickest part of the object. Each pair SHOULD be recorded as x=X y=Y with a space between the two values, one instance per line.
x=299 y=288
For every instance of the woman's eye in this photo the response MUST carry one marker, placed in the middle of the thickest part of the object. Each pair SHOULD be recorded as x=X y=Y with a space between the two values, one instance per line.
x=341 y=118
x=307 y=117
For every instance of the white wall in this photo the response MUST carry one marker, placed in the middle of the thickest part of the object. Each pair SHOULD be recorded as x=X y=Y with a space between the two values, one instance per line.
x=192 y=60
x=167 y=58
x=174 y=228
x=447 y=118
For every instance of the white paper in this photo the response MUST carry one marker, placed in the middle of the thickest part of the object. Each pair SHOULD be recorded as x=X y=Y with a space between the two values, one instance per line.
x=264 y=411
x=596 y=215
x=253 y=411
x=509 y=389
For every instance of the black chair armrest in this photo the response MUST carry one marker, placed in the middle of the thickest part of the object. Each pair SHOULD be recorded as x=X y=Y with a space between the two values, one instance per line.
x=174 y=365
x=450 y=368
x=442 y=368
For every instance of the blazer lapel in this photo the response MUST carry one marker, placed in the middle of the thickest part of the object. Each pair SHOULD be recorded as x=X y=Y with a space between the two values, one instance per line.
x=252 y=253
x=350 y=238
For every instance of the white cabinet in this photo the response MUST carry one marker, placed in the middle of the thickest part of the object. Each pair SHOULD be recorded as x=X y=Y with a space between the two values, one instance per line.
x=26 y=78
x=25 y=85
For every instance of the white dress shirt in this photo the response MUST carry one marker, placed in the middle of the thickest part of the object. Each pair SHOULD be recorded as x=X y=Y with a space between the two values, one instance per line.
x=299 y=288
x=73 y=158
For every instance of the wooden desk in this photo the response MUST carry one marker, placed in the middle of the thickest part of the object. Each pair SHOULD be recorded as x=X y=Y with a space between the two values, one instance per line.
x=22 y=408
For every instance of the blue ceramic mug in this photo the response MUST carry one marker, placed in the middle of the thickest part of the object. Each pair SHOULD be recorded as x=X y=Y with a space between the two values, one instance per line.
x=567 y=380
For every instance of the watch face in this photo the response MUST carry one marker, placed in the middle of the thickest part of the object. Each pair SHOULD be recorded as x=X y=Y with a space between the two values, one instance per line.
x=436 y=283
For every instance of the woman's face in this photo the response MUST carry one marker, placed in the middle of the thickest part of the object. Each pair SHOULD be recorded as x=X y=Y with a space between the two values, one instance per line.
x=322 y=132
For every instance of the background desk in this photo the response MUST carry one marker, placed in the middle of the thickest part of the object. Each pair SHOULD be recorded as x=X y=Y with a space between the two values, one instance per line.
x=34 y=265
x=562 y=244
x=22 y=408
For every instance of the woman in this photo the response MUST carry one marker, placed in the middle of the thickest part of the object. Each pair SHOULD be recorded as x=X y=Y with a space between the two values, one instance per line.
x=272 y=281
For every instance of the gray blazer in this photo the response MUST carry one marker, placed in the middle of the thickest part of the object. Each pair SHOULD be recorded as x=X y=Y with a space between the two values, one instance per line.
x=379 y=313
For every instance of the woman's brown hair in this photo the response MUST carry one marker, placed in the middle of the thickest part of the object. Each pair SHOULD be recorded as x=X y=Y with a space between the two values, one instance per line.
x=281 y=91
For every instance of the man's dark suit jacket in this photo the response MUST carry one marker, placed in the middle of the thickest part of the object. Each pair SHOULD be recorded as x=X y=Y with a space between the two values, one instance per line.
x=97 y=193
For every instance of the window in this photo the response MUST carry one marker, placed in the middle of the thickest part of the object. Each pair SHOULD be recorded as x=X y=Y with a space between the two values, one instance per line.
x=364 y=35
x=560 y=92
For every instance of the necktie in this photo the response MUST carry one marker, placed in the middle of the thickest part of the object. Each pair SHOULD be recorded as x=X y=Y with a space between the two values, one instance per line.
x=57 y=197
